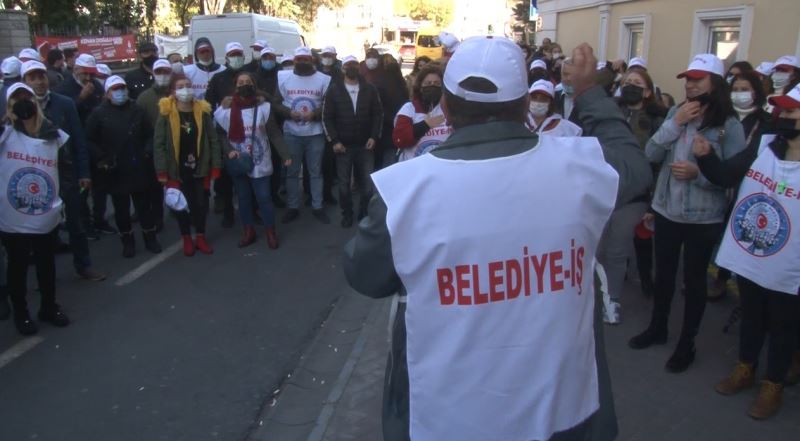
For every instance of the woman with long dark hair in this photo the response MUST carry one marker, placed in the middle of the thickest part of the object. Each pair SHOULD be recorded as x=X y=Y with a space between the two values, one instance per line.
x=420 y=125
x=419 y=64
x=689 y=210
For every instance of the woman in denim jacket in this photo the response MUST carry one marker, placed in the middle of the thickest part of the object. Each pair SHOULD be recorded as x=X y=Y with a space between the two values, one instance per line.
x=689 y=210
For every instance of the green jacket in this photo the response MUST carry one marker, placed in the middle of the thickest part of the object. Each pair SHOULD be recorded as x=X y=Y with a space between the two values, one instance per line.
x=148 y=100
x=166 y=150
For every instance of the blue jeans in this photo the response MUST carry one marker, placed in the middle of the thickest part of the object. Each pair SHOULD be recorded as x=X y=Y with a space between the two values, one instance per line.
x=311 y=148
x=245 y=188
x=78 y=241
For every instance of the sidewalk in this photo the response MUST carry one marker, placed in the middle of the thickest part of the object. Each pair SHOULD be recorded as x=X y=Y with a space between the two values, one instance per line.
x=651 y=404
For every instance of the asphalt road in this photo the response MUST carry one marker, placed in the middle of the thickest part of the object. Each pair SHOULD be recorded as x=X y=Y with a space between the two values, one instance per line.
x=191 y=350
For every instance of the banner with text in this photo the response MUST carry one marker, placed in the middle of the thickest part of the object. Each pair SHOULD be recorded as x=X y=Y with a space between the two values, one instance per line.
x=103 y=48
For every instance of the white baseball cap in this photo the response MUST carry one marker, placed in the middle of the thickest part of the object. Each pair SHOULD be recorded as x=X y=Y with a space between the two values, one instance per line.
x=702 y=65
x=233 y=46
x=268 y=51
x=789 y=101
x=543 y=86
x=638 y=61
x=784 y=61
x=17 y=86
x=449 y=41
x=349 y=59
x=86 y=62
x=29 y=54
x=114 y=80
x=11 y=67
x=162 y=64
x=175 y=200
x=302 y=51
x=261 y=44
x=30 y=66
x=496 y=59
x=103 y=69
x=766 y=68
x=328 y=50
x=538 y=64
x=601 y=65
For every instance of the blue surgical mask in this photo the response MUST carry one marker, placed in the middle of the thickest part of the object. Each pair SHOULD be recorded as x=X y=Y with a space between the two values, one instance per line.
x=119 y=97
x=568 y=89
x=268 y=64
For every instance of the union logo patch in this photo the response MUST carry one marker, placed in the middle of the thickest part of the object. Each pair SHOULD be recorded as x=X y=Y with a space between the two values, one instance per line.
x=427 y=146
x=760 y=225
x=31 y=191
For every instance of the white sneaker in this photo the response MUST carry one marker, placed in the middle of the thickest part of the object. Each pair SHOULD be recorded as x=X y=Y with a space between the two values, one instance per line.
x=612 y=313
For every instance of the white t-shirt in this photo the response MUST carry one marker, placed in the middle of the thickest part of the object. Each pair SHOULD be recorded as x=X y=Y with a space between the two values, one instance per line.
x=352 y=90
x=257 y=147
x=304 y=95
x=200 y=79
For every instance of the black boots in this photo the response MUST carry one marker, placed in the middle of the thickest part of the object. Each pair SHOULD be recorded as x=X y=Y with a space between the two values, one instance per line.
x=651 y=336
x=682 y=358
x=5 y=309
x=128 y=244
x=151 y=242
x=53 y=315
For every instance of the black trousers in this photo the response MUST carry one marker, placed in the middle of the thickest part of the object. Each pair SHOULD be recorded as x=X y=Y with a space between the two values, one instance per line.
x=19 y=247
x=697 y=242
x=155 y=200
x=644 y=257
x=143 y=206
x=766 y=311
x=360 y=161
x=197 y=199
x=99 y=195
x=223 y=188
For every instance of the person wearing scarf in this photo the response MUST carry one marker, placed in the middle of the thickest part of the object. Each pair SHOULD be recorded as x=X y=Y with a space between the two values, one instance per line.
x=251 y=131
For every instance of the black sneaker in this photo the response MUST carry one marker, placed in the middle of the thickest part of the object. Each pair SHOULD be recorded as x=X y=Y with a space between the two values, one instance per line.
x=54 y=316
x=90 y=274
x=104 y=228
x=291 y=215
x=321 y=216
x=648 y=338
x=682 y=358
x=25 y=324
x=347 y=221
x=92 y=234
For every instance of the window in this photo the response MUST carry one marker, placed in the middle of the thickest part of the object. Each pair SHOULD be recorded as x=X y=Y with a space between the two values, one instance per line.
x=723 y=38
x=724 y=32
x=634 y=36
x=636 y=46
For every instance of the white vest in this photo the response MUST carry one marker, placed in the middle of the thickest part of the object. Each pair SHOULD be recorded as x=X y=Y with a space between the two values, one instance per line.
x=258 y=147
x=304 y=95
x=762 y=242
x=563 y=128
x=431 y=139
x=200 y=79
x=29 y=199
x=500 y=288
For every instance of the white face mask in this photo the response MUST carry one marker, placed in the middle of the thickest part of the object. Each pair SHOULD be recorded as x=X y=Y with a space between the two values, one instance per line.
x=372 y=63
x=162 y=80
x=204 y=63
x=327 y=61
x=780 y=80
x=177 y=68
x=185 y=95
x=236 y=62
x=742 y=100
x=539 y=109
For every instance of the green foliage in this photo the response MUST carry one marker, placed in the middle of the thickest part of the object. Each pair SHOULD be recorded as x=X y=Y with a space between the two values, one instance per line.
x=439 y=12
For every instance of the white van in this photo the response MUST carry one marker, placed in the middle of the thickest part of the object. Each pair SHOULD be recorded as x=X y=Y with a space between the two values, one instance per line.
x=283 y=35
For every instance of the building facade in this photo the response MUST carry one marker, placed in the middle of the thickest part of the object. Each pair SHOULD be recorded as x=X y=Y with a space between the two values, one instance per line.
x=668 y=33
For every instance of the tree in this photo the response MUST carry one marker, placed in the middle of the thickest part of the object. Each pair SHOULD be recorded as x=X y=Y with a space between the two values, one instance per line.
x=212 y=7
x=439 y=12
x=522 y=11
x=184 y=10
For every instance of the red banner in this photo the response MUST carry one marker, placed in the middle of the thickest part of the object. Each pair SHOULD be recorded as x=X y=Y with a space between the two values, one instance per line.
x=103 y=48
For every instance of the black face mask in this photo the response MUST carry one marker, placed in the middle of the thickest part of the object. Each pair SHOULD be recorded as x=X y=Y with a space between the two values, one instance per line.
x=351 y=72
x=631 y=94
x=303 y=69
x=149 y=61
x=431 y=94
x=702 y=99
x=246 y=91
x=24 y=109
x=784 y=127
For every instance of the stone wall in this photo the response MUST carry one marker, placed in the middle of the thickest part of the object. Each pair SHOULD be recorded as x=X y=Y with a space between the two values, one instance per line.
x=15 y=32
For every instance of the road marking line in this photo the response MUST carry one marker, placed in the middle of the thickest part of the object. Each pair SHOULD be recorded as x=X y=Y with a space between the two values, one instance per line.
x=19 y=349
x=149 y=265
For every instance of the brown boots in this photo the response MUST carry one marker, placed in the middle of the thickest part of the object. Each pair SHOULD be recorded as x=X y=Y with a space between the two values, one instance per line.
x=248 y=236
x=272 y=238
x=770 y=395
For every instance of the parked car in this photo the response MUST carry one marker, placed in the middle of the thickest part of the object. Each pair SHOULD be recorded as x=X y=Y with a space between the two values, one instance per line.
x=408 y=53
x=428 y=44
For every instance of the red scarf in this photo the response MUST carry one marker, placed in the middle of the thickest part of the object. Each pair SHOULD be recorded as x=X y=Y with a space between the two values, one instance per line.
x=236 y=130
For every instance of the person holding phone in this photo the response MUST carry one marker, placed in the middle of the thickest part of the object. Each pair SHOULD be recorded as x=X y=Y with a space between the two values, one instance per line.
x=689 y=209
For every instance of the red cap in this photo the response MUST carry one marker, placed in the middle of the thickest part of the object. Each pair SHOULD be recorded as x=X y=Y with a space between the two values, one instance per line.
x=789 y=101
x=693 y=74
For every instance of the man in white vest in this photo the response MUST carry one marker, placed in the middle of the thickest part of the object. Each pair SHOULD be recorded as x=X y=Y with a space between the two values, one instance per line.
x=492 y=237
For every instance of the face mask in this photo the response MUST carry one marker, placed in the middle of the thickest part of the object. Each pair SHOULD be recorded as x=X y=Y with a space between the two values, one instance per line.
x=204 y=63
x=24 y=109
x=327 y=61
x=303 y=69
x=177 y=68
x=742 y=100
x=236 y=62
x=539 y=109
x=568 y=89
x=149 y=61
x=119 y=97
x=557 y=55
x=185 y=95
x=372 y=63
x=631 y=94
x=268 y=64
x=162 y=80
x=786 y=128
x=43 y=99
x=246 y=91
x=780 y=80
x=351 y=73
x=431 y=94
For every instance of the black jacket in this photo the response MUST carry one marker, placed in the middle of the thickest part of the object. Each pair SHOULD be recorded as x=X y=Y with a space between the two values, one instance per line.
x=138 y=80
x=120 y=141
x=220 y=86
x=341 y=124
x=72 y=90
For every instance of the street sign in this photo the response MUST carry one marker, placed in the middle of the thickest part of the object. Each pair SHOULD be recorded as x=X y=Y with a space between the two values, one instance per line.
x=538 y=23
